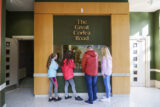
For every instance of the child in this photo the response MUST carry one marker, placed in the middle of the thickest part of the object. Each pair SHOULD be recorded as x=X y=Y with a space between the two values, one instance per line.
x=52 y=67
x=106 y=70
x=67 y=69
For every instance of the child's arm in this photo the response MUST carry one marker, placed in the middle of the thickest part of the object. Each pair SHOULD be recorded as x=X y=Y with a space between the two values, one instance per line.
x=72 y=65
x=55 y=66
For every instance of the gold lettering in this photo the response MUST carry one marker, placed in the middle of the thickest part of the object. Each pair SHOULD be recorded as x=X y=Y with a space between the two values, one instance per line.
x=81 y=33
x=81 y=38
x=81 y=27
x=81 y=30
x=81 y=21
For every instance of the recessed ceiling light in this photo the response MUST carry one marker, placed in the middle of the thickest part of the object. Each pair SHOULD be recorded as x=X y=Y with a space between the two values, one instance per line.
x=82 y=10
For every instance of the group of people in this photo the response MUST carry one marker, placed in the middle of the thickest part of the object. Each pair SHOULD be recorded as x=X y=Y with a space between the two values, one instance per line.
x=90 y=69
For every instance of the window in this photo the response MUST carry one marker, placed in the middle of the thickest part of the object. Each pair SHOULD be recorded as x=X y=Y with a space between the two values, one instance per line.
x=134 y=51
x=134 y=45
x=7 y=59
x=135 y=72
x=7 y=75
x=7 y=51
x=7 y=44
x=7 y=67
x=7 y=82
x=134 y=58
x=135 y=79
x=135 y=65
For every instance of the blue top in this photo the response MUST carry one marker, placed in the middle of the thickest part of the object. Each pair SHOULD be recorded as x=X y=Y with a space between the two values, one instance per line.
x=52 y=69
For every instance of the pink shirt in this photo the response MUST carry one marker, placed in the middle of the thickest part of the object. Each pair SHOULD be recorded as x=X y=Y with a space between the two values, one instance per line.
x=106 y=65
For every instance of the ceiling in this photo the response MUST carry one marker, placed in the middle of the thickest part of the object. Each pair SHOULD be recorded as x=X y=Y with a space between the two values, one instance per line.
x=144 y=5
x=20 y=5
x=135 y=5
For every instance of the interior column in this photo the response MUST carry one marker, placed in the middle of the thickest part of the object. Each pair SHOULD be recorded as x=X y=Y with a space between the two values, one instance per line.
x=43 y=47
x=120 y=54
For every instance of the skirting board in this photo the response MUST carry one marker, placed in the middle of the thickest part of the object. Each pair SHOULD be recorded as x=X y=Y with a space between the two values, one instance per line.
x=81 y=74
x=81 y=94
x=152 y=83
x=63 y=94
x=157 y=84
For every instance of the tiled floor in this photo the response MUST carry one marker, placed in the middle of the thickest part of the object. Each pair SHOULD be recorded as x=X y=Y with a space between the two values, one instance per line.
x=139 y=97
x=26 y=82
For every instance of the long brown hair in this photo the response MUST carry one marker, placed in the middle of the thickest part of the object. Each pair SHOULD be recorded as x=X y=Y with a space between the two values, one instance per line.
x=50 y=59
x=68 y=56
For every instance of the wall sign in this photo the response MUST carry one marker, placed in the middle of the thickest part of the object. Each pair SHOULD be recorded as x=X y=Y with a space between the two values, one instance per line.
x=81 y=30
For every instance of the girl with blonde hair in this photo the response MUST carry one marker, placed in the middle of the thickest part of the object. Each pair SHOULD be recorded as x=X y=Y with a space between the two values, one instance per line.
x=106 y=70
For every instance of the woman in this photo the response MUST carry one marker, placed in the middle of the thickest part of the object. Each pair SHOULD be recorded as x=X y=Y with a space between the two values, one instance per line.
x=52 y=70
x=106 y=70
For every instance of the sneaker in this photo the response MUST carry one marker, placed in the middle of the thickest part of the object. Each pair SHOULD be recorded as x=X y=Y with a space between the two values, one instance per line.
x=87 y=101
x=78 y=98
x=103 y=99
x=108 y=100
x=58 y=99
x=50 y=99
x=68 y=97
x=95 y=100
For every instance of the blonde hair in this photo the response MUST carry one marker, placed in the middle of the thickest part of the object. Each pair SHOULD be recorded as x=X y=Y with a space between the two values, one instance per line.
x=105 y=52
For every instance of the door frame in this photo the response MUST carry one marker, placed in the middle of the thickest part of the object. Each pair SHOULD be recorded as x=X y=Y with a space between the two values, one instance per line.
x=147 y=56
x=22 y=37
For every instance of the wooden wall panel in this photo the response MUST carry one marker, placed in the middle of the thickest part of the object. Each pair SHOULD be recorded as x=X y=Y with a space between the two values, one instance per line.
x=120 y=43
x=43 y=41
x=120 y=53
x=120 y=85
x=73 y=8
x=41 y=85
